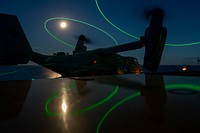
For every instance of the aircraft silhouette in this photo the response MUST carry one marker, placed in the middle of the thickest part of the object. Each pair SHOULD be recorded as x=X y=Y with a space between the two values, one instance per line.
x=15 y=49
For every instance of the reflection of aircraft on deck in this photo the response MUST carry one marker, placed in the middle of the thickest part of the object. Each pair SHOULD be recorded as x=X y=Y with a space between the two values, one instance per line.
x=15 y=49
x=13 y=95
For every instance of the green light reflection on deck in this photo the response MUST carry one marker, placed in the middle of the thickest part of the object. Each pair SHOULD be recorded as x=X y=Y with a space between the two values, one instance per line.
x=114 y=107
x=136 y=94
x=183 y=86
x=81 y=110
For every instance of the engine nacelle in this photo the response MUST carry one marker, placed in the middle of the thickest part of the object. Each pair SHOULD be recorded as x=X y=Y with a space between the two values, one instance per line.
x=155 y=37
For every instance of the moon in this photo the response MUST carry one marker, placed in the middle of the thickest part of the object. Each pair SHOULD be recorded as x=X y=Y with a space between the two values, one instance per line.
x=63 y=25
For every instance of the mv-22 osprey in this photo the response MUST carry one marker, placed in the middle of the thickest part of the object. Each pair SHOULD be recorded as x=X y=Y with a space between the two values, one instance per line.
x=15 y=49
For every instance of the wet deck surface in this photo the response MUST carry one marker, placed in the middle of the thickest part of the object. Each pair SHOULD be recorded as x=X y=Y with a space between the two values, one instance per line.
x=123 y=103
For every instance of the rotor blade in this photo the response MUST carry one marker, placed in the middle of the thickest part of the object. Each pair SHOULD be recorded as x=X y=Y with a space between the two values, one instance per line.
x=87 y=40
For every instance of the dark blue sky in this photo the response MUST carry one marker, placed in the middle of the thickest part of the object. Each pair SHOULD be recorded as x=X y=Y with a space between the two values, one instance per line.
x=182 y=21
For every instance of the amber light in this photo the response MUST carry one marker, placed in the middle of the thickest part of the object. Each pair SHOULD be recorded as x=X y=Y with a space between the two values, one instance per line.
x=95 y=62
x=184 y=68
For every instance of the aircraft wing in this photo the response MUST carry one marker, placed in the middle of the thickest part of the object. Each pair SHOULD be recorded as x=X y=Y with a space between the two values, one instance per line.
x=123 y=47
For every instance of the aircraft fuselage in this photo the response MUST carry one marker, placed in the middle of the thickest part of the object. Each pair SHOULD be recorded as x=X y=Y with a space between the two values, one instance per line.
x=88 y=63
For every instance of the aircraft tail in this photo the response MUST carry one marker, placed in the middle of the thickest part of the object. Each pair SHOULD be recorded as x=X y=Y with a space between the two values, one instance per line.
x=14 y=46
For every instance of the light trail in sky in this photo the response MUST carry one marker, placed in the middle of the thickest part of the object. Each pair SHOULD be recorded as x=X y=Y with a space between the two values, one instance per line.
x=136 y=37
x=74 y=20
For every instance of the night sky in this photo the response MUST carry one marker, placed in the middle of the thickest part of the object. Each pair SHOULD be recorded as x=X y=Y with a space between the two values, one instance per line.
x=103 y=27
